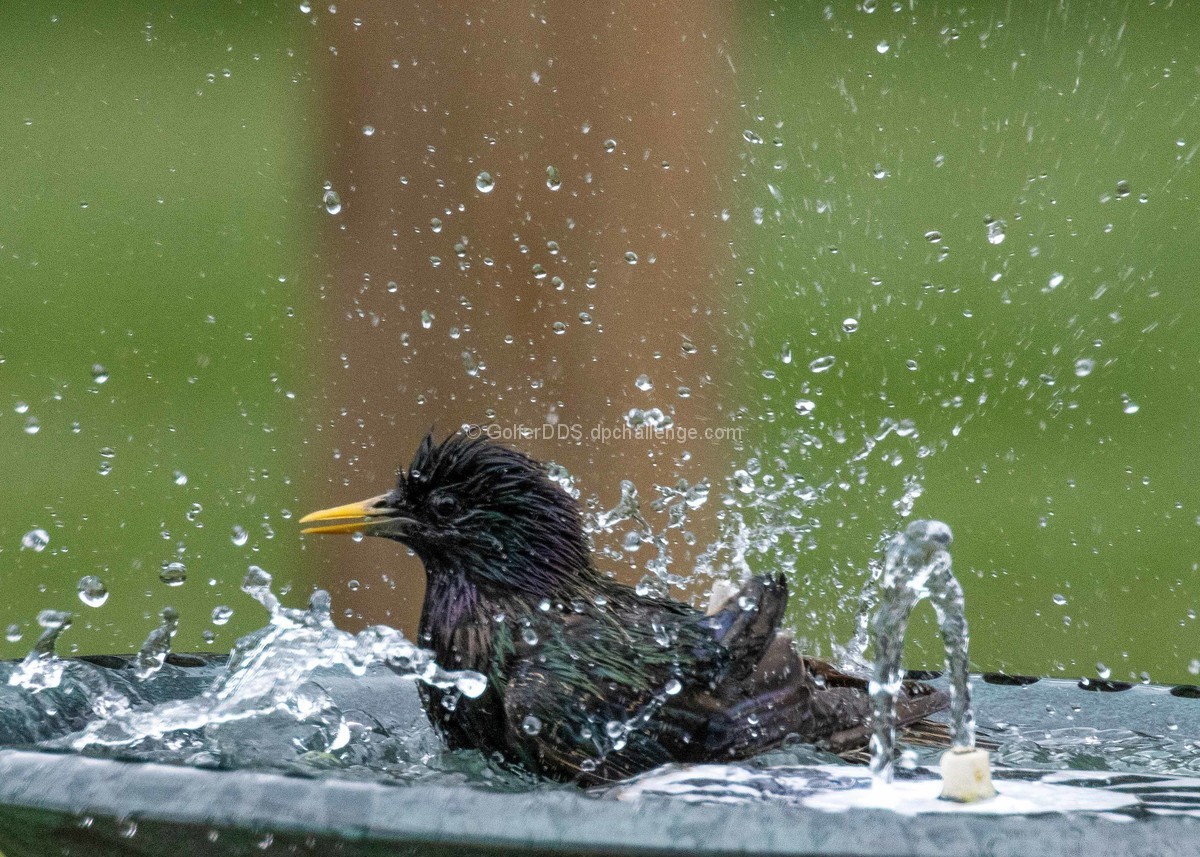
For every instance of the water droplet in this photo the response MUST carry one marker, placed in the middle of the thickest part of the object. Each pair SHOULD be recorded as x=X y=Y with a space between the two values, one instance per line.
x=99 y=373
x=426 y=319
x=882 y=47
x=1123 y=188
x=531 y=725
x=933 y=236
x=35 y=540
x=644 y=383
x=32 y=426
x=484 y=183
x=652 y=418
x=436 y=224
x=92 y=591
x=1056 y=280
x=173 y=573
x=559 y=327
x=996 y=230
x=610 y=146
x=239 y=535
x=470 y=684
x=221 y=614
x=1059 y=599
x=672 y=687
x=850 y=325
x=751 y=137
x=553 y=180
x=13 y=634
x=1130 y=407
x=1084 y=367
x=804 y=407
x=21 y=408
x=333 y=202
x=368 y=130
x=822 y=364
x=529 y=635
x=631 y=257
x=1103 y=671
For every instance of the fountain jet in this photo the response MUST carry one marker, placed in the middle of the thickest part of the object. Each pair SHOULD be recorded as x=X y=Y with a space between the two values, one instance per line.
x=916 y=567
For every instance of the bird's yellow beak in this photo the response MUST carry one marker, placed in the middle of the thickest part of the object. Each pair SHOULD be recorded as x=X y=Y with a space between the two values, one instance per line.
x=352 y=517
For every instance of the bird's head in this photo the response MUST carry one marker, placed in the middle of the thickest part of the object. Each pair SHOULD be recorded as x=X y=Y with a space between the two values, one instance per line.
x=471 y=507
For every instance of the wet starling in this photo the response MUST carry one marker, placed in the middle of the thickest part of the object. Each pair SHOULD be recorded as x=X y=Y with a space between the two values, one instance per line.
x=589 y=681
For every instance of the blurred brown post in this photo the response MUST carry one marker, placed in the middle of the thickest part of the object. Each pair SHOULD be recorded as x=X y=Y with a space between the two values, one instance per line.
x=531 y=94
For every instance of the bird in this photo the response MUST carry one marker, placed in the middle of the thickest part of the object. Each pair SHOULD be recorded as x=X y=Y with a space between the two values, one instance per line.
x=589 y=681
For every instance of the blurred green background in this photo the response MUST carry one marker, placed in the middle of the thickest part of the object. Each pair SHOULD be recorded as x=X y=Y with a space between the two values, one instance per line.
x=155 y=224
x=163 y=206
x=891 y=139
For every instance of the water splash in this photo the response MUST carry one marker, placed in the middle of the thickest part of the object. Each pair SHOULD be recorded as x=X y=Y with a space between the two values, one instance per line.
x=673 y=500
x=267 y=674
x=42 y=669
x=153 y=653
x=770 y=511
x=917 y=566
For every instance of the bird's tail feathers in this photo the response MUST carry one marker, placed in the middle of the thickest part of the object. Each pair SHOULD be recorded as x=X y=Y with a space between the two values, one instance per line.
x=917 y=701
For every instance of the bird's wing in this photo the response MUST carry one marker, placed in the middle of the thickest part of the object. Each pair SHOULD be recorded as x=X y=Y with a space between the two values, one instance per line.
x=581 y=702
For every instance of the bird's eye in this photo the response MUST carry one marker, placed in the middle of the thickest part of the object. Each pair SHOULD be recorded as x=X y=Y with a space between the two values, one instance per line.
x=443 y=505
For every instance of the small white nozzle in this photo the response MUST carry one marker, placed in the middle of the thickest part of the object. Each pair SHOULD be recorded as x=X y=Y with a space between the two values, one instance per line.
x=966 y=776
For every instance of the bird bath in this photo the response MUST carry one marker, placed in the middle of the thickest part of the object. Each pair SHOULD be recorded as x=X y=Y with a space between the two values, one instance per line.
x=1128 y=752
x=308 y=739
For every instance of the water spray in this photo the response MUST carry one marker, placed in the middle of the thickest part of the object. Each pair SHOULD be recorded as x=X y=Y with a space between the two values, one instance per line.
x=917 y=566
